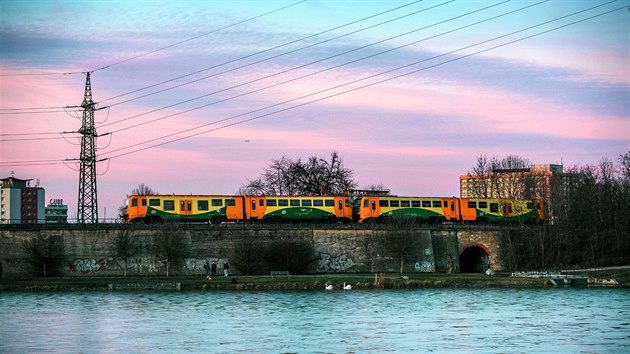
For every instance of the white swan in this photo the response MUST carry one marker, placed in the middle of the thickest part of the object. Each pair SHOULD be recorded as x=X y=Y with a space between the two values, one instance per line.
x=328 y=286
x=347 y=287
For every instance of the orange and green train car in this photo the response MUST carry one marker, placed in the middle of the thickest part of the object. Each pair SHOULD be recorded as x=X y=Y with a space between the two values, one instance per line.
x=298 y=208
x=184 y=208
x=389 y=208
x=217 y=208
x=497 y=210
x=433 y=210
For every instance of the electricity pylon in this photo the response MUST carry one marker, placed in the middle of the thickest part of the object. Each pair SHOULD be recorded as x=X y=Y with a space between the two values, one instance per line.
x=87 y=211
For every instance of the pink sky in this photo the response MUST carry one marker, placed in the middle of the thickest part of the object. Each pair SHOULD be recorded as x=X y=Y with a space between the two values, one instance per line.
x=558 y=97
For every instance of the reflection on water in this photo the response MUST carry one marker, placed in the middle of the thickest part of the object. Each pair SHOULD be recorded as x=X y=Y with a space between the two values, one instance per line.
x=426 y=320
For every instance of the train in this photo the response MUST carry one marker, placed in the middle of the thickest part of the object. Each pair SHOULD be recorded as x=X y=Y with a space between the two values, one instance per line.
x=217 y=209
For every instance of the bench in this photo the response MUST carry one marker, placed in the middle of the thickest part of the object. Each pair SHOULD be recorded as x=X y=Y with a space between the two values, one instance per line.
x=280 y=272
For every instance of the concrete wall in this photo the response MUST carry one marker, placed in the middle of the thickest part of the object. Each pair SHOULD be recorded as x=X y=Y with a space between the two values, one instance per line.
x=91 y=252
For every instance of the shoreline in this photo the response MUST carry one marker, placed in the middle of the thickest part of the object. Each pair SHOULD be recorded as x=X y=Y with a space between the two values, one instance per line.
x=616 y=277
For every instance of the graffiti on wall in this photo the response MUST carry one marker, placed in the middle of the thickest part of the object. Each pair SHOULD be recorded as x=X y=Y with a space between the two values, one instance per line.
x=142 y=264
x=88 y=265
x=329 y=263
x=424 y=266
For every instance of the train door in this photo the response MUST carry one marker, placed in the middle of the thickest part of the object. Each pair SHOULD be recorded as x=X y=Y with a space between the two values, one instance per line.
x=370 y=209
x=450 y=208
x=255 y=208
x=185 y=207
x=507 y=210
x=343 y=208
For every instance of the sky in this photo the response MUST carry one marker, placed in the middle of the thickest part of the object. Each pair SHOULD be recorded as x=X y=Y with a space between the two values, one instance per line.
x=197 y=97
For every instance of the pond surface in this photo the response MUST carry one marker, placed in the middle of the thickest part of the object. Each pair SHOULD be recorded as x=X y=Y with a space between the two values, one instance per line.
x=419 y=320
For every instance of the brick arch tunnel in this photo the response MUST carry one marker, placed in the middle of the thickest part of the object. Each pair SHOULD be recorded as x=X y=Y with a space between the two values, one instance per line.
x=474 y=259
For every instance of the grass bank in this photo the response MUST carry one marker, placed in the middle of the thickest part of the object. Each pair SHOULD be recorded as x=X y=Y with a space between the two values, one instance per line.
x=294 y=282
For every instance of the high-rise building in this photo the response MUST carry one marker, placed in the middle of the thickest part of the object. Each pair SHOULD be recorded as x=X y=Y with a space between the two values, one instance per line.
x=20 y=203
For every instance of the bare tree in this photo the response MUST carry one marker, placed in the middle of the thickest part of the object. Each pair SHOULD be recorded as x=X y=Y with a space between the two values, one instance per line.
x=372 y=248
x=125 y=245
x=246 y=255
x=44 y=253
x=316 y=176
x=401 y=241
x=170 y=244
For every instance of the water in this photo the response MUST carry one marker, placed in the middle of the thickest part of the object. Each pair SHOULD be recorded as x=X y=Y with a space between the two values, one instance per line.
x=362 y=321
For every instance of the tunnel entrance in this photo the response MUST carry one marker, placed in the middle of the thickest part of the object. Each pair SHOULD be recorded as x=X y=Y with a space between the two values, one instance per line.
x=474 y=259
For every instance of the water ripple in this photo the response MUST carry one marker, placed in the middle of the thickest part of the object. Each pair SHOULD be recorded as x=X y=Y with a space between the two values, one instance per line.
x=429 y=320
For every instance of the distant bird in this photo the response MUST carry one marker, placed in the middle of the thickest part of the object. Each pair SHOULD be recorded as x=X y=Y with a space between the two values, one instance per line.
x=347 y=287
x=328 y=286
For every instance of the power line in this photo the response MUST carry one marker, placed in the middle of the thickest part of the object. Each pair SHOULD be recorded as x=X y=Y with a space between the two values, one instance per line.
x=201 y=35
x=363 y=86
x=250 y=55
x=270 y=49
x=159 y=49
x=314 y=62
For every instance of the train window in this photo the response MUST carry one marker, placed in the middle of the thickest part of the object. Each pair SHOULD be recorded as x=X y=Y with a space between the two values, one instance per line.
x=415 y=204
x=383 y=203
x=253 y=204
x=202 y=205
x=262 y=202
x=217 y=202
x=144 y=202
x=329 y=202
x=539 y=206
x=494 y=207
x=445 y=204
x=154 y=202
x=283 y=202
x=307 y=203
x=318 y=202
x=483 y=205
x=272 y=202
x=347 y=203
x=472 y=204
x=436 y=203
x=404 y=203
x=373 y=205
x=294 y=202
x=426 y=203
x=366 y=203
x=169 y=205
x=509 y=208
x=230 y=202
x=182 y=205
x=134 y=202
x=394 y=203
x=530 y=205
x=452 y=206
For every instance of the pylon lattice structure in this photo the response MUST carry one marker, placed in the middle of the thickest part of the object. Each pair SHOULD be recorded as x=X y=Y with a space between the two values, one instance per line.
x=87 y=211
